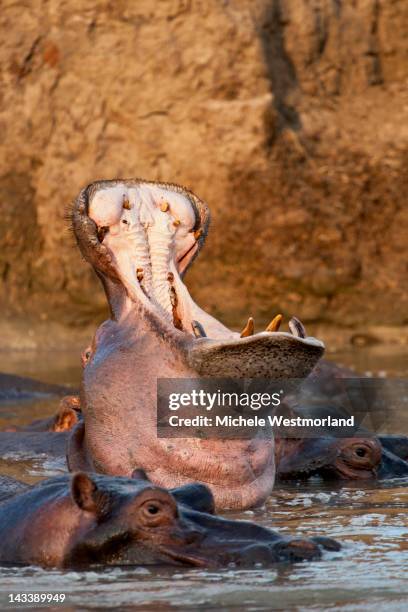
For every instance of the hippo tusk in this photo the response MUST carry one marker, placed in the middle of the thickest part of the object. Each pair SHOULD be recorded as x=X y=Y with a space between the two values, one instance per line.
x=248 y=329
x=275 y=324
x=198 y=329
x=297 y=328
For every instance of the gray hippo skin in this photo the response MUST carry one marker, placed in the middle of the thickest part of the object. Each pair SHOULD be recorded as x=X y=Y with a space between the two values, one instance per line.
x=18 y=388
x=140 y=238
x=87 y=520
x=362 y=456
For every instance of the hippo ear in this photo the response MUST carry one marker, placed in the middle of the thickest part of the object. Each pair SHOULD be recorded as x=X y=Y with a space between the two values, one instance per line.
x=83 y=491
x=139 y=474
x=65 y=420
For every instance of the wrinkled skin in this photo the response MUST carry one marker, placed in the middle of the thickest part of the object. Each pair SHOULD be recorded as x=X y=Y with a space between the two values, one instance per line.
x=94 y=519
x=140 y=238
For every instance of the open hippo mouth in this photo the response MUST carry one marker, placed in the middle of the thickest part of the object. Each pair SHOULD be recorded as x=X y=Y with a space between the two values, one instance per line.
x=141 y=237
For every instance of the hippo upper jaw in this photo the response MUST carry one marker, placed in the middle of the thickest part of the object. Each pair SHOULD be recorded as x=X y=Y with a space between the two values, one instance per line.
x=223 y=542
x=197 y=540
x=141 y=237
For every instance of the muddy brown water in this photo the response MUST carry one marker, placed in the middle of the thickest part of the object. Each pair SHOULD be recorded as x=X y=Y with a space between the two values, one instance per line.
x=370 y=572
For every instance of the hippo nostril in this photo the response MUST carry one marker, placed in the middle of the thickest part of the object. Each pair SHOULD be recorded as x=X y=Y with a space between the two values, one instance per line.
x=361 y=452
x=297 y=550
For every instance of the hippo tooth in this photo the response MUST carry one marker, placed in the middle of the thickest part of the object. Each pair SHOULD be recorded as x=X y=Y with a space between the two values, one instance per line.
x=198 y=329
x=274 y=325
x=164 y=206
x=297 y=328
x=248 y=329
x=198 y=233
x=126 y=204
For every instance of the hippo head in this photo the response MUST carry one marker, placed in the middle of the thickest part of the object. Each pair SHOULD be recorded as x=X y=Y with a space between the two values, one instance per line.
x=132 y=522
x=356 y=458
x=141 y=237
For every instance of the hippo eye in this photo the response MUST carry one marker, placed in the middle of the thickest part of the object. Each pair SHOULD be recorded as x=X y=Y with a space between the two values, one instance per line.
x=87 y=354
x=157 y=512
x=361 y=452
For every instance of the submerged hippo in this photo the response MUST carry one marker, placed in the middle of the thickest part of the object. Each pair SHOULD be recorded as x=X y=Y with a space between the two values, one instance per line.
x=18 y=388
x=66 y=417
x=330 y=457
x=363 y=456
x=141 y=237
x=93 y=519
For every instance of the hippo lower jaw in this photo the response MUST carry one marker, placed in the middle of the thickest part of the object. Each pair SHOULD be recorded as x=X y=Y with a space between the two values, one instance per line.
x=141 y=237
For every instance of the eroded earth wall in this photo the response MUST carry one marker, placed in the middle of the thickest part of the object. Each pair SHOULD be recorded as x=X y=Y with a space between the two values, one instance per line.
x=288 y=116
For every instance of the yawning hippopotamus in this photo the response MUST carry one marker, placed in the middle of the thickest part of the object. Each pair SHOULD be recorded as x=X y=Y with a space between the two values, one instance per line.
x=102 y=520
x=141 y=237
